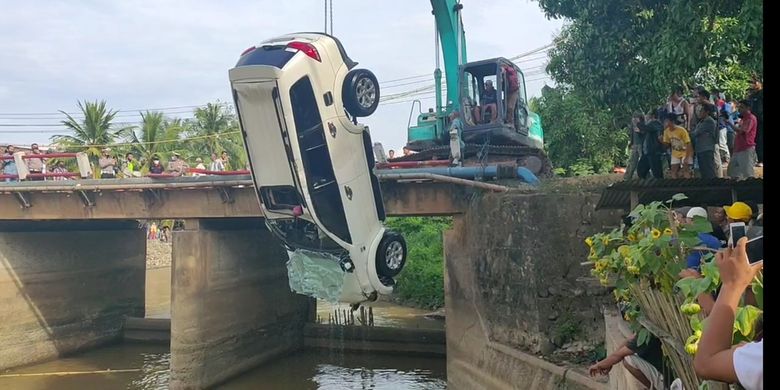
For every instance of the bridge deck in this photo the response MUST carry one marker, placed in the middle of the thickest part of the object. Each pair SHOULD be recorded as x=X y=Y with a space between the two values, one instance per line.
x=191 y=197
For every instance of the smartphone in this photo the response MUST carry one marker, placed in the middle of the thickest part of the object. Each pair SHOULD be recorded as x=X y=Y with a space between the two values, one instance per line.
x=737 y=230
x=755 y=249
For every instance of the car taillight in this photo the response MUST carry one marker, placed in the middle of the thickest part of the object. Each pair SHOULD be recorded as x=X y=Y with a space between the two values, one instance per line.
x=306 y=48
x=247 y=50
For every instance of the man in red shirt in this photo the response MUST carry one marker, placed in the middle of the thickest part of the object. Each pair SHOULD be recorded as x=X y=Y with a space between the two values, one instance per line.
x=513 y=92
x=744 y=158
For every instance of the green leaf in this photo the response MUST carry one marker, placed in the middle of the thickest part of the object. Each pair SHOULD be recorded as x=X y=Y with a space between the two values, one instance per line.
x=745 y=321
x=758 y=290
x=701 y=225
x=678 y=197
x=643 y=337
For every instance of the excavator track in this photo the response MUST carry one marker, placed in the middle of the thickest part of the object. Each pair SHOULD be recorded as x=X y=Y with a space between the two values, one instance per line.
x=471 y=156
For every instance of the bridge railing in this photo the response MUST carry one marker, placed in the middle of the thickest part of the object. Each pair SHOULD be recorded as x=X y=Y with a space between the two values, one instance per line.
x=85 y=168
x=23 y=170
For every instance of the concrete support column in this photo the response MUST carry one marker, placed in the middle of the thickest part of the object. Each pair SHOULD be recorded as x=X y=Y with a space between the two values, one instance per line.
x=66 y=286
x=231 y=306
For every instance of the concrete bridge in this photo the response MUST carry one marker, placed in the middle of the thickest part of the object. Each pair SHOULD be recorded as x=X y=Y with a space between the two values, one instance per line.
x=192 y=197
x=72 y=267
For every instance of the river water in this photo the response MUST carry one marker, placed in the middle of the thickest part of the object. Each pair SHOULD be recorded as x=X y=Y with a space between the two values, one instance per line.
x=138 y=366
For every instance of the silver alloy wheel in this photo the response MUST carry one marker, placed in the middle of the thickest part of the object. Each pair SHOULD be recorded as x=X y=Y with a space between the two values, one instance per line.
x=394 y=255
x=365 y=92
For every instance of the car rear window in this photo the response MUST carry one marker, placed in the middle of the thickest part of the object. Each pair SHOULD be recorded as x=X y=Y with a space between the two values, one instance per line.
x=273 y=55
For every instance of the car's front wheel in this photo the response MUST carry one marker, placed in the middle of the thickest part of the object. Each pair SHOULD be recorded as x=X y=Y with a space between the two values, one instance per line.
x=391 y=254
x=360 y=93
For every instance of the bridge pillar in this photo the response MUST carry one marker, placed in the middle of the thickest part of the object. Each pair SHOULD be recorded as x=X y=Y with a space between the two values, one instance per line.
x=231 y=305
x=66 y=286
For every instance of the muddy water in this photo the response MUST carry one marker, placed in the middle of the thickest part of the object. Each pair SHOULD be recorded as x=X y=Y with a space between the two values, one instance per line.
x=146 y=366
x=148 y=369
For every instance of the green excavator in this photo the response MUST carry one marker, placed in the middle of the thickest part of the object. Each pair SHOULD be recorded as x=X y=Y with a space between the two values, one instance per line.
x=490 y=99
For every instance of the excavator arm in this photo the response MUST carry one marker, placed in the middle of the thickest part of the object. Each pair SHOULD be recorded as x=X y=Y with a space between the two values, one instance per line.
x=453 y=43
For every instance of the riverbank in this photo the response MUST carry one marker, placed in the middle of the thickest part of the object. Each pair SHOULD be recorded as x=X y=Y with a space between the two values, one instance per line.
x=158 y=254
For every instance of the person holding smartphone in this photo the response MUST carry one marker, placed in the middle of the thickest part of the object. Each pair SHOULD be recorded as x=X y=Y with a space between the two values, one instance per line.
x=742 y=212
x=717 y=359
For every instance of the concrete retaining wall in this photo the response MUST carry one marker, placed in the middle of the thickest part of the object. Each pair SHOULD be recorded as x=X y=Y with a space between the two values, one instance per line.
x=67 y=286
x=514 y=285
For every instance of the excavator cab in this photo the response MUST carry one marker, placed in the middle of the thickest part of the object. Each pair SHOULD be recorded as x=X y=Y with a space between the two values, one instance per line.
x=494 y=107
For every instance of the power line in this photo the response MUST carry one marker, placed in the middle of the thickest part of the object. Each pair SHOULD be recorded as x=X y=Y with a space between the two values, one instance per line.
x=123 y=110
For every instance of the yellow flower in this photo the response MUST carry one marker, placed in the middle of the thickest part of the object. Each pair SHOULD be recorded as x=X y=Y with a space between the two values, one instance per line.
x=592 y=252
x=589 y=241
x=631 y=237
x=605 y=241
x=667 y=232
x=627 y=261
x=624 y=250
x=656 y=233
x=634 y=270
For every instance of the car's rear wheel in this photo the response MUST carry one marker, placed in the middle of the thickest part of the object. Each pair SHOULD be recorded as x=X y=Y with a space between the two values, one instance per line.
x=360 y=93
x=391 y=254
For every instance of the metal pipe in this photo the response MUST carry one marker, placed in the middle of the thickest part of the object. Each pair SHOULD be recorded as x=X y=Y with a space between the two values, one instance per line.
x=412 y=164
x=470 y=173
x=442 y=178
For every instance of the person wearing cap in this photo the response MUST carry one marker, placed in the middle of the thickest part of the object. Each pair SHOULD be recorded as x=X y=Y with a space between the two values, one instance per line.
x=706 y=239
x=742 y=212
x=176 y=166
x=107 y=165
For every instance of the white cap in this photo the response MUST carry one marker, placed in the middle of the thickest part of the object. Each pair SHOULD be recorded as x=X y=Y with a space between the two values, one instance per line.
x=697 y=212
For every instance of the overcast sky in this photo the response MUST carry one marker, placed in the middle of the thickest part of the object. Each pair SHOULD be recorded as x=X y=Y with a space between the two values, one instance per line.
x=142 y=54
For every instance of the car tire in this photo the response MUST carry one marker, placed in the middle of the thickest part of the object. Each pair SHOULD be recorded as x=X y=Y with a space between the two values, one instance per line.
x=391 y=255
x=360 y=93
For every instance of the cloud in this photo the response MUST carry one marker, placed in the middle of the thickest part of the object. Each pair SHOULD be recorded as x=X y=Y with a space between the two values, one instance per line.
x=143 y=53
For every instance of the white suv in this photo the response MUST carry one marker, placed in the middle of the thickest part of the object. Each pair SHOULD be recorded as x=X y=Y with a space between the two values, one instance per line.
x=312 y=164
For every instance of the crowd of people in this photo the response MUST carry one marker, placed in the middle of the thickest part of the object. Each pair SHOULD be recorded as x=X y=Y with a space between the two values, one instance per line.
x=710 y=136
x=110 y=165
x=716 y=358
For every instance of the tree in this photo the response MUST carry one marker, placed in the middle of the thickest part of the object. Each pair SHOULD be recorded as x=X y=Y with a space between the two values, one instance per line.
x=91 y=133
x=628 y=55
x=580 y=137
x=156 y=136
x=213 y=130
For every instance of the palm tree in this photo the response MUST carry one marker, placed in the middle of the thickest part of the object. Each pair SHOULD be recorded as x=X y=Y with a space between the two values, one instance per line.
x=214 y=129
x=92 y=132
x=156 y=135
